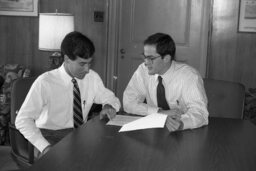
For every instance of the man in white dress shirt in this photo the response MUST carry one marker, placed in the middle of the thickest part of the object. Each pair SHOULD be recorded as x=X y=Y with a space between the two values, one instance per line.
x=46 y=115
x=185 y=97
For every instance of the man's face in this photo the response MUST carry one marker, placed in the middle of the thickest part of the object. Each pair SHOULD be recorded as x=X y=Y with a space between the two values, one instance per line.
x=79 y=67
x=153 y=60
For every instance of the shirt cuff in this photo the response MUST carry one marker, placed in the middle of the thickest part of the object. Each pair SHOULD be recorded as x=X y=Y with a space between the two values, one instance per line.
x=41 y=144
x=187 y=122
x=115 y=106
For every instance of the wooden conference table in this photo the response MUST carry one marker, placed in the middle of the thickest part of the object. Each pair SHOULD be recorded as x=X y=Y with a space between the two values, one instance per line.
x=225 y=144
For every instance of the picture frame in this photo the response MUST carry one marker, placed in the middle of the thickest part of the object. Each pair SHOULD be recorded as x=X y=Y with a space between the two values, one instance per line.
x=247 y=16
x=19 y=7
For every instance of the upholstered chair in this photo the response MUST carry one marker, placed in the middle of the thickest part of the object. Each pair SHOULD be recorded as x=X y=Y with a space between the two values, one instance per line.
x=225 y=98
x=8 y=74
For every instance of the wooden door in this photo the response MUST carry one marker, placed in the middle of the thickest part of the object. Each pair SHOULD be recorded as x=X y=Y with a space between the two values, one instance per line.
x=184 y=20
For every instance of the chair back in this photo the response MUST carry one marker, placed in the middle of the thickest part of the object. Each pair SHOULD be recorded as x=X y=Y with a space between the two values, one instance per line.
x=225 y=98
x=22 y=151
x=8 y=74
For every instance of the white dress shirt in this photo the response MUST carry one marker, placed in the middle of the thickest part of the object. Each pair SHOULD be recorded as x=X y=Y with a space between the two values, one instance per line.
x=184 y=89
x=49 y=103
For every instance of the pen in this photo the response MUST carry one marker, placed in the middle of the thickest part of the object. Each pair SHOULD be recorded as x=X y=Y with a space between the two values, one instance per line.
x=178 y=103
x=84 y=103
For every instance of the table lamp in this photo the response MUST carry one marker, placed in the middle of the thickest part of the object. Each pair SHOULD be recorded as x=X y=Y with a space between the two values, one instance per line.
x=52 y=29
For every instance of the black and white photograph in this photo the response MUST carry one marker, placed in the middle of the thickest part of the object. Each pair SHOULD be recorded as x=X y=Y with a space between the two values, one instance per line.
x=127 y=85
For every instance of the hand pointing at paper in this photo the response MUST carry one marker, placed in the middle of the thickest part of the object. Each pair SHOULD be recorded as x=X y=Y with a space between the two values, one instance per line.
x=108 y=111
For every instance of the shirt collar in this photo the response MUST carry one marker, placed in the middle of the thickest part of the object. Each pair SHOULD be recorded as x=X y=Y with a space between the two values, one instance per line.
x=64 y=75
x=167 y=74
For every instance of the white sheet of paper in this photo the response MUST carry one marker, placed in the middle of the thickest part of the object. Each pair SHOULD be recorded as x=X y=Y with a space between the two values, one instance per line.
x=155 y=120
x=120 y=120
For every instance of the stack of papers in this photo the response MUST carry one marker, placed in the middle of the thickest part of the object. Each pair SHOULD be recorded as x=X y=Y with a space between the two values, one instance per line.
x=131 y=123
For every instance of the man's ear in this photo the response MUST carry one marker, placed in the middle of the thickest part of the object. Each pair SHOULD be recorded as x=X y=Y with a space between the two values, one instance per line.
x=167 y=58
x=66 y=58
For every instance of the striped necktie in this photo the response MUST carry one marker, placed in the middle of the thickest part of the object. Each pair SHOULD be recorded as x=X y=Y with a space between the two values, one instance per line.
x=77 y=109
x=161 y=100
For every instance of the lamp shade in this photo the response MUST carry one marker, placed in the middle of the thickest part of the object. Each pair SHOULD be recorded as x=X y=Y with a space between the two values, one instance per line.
x=53 y=27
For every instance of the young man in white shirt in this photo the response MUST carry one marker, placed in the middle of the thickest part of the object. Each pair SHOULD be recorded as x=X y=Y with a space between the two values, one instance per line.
x=183 y=99
x=48 y=112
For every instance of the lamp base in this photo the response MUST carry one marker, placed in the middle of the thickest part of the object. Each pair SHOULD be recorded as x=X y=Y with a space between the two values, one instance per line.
x=55 y=60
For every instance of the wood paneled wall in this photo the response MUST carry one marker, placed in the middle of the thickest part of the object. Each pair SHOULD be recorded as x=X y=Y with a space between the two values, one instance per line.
x=231 y=54
x=19 y=34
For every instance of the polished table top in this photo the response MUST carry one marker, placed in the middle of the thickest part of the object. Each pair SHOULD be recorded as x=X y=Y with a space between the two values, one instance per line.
x=225 y=144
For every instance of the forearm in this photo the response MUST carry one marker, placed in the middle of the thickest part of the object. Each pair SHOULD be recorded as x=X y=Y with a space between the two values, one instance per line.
x=114 y=102
x=134 y=106
x=195 y=118
x=105 y=96
x=195 y=100
x=28 y=128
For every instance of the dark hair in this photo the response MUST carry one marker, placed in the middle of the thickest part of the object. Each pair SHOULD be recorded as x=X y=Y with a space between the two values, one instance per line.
x=164 y=44
x=76 y=44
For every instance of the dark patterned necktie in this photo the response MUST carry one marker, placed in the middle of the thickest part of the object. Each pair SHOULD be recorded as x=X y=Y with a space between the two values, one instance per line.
x=161 y=100
x=77 y=109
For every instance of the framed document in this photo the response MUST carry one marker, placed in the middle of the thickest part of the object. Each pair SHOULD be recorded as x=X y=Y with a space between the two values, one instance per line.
x=247 y=16
x=19 y=7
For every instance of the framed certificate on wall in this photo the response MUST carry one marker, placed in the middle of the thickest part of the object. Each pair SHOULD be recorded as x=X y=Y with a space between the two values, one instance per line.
x=247 y=16
x=19 y=7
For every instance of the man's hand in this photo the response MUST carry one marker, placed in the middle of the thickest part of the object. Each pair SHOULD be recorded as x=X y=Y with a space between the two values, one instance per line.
x=45 y=151
x=173 y=124
x=108 y=111
x=173 y=121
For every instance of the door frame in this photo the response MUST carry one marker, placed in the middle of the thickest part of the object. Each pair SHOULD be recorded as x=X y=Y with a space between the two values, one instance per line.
x=205 y=28
x=209 y=47
x=113 y=18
